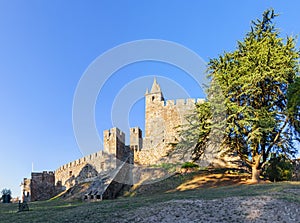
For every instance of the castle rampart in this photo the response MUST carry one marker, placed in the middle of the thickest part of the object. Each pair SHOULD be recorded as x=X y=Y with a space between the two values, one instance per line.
x=163 y=119
x=114 y=149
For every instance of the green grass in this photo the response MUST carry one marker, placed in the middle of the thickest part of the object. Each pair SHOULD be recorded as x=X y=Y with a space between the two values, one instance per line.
x=105 y=211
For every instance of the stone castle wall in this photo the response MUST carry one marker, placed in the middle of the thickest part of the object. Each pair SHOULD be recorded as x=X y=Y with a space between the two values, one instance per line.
x=66 y=174
x=163 y=121
x=92 y=165
x=100 y=162
x=42 y=186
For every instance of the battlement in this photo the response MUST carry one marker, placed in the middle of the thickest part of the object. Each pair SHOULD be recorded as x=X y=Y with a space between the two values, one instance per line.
x=81 y=161
x=162 y=117
x=200 y=100
x=182 y=102
x=44 y=173
x=169 y=102
x=111 y=133
x=134 y=129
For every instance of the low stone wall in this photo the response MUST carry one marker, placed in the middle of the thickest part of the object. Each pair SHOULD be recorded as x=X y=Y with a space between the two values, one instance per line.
x=69 y=174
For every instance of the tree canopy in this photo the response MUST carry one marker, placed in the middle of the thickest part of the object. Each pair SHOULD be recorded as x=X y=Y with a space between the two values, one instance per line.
x=6 y=191
x=257 y=84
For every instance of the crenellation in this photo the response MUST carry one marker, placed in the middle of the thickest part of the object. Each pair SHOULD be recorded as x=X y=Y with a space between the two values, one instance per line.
x=180 y=102
x=200 y=100
x=191 y=101
x=170 y=102
x=162 y=118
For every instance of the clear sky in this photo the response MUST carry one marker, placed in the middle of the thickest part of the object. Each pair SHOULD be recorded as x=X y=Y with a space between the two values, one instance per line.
x=45 y=47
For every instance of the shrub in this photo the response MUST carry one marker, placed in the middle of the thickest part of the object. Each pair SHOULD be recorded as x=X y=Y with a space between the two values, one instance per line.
x=170 y=167
x=189 y=165
x=6 y=195
x=279 y=168
x=6 y=191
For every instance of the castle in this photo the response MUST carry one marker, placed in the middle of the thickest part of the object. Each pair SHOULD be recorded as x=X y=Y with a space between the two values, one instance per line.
x=162 y=120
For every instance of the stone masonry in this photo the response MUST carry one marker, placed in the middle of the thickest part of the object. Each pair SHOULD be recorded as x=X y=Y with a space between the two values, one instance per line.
x=99 y=162
x=42 y=186
x=45 y=185
x=162 y=121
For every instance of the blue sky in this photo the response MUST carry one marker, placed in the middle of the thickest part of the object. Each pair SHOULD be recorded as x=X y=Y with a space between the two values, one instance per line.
x=45 y=47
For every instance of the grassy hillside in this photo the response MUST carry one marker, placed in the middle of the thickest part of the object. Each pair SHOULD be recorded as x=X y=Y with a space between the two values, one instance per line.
x=189 y=187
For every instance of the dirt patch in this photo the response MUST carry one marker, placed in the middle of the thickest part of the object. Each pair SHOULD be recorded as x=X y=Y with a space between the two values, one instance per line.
x=233 y=209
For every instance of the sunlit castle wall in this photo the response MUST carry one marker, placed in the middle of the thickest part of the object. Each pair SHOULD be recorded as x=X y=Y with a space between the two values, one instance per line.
x=163 y=119
x=97 y=163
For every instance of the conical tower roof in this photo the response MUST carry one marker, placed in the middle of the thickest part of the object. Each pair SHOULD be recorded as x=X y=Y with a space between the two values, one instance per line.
x=155 y=87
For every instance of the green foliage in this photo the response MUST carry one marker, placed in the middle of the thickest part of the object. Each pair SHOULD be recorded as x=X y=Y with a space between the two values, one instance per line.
x=279 y=168
x=170 y=167
x=293 y=104
x=196 y=132
x=247 y=110
x=6 y=195
x=189 y=165
x=6 y=192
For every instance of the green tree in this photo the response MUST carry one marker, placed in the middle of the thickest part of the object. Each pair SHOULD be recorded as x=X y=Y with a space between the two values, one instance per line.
x=293 y=104
x=279 y=168
x=254 y=81
x=6 y=195
x=196 y=132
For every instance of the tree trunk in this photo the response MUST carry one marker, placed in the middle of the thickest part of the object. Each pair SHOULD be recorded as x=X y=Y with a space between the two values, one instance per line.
x=255 y=174
x=256 y=171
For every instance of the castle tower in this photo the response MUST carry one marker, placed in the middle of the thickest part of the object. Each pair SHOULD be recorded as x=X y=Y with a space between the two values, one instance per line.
x=136 y=140
x=42 y=186
x=153 y=101
x=155 y=94
x=26 y=190
x=114 y=142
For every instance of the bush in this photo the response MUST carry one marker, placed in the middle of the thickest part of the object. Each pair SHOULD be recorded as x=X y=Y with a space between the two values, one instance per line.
x=170 y=167
x=189 y=165
x=279 y=168
x=6 y=191
x=6 y=195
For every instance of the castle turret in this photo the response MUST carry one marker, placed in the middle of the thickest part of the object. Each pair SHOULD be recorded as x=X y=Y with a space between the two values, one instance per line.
x=136 y=140
x=114 y=142
x=153 y=101
x=155 y=95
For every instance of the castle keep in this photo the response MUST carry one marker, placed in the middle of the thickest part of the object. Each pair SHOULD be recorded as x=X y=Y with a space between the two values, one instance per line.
x=162 y=121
